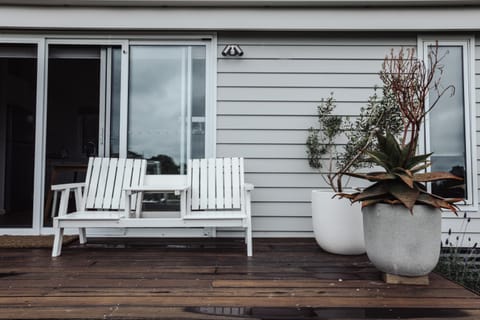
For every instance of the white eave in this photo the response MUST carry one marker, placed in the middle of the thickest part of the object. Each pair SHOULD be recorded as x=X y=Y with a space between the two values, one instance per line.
x=244 y=3
x=125 y=18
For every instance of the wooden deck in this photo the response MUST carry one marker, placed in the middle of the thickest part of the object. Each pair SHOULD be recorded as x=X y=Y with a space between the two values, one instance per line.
x=213 y=279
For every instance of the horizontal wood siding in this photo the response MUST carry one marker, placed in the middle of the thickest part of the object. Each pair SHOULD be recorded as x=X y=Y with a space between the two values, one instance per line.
x=267 y=100
x=468 y=230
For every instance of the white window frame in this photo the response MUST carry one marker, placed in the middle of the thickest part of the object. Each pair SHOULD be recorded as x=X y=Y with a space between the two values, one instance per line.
x=468 y=44
x=124 y=40
x=39 y=110
x=210 y=90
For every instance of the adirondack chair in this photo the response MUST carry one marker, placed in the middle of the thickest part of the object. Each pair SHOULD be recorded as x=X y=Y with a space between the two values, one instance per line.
x=100 y=201
x=213 y=194
x=218 y=195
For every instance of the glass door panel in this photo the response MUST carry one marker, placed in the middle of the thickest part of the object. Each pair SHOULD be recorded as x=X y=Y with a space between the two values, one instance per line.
x=114 y=65
x=73 y=107
x=166 y=111
x=166 y=85
x=447 y=126
x=18 y=82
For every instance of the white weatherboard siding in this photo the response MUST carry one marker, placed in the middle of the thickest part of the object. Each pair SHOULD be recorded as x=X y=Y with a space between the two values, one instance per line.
x=267 y=100
x=459 y=224
x=414 y=19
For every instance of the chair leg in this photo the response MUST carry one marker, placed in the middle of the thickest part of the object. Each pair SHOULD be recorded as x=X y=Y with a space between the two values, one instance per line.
x=248 y=238
x=57 y=242
x=82 y=235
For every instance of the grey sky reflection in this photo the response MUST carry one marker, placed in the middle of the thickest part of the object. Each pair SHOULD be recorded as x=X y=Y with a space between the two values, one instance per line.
x=155 y=100
x=447 y=119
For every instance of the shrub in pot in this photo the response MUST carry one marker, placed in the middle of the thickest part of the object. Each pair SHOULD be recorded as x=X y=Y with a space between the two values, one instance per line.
x=337 y=225
x=402 y=219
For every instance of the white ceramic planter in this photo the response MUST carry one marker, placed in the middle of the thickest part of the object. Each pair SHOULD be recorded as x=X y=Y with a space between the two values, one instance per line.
x=400 y=243
x=338 y=225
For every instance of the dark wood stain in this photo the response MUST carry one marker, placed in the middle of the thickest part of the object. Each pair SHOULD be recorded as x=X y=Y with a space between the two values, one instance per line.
x=213 y=279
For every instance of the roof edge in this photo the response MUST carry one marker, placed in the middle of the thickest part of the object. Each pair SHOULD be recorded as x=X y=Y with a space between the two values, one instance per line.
x=245 y=3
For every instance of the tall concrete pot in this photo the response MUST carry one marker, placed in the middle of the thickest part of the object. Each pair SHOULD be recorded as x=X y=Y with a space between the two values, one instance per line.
x=337 y=224
x=400 y=243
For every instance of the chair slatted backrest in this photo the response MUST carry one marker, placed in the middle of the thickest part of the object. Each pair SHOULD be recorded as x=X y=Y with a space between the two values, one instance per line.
x=216 y=184
x=106 y=179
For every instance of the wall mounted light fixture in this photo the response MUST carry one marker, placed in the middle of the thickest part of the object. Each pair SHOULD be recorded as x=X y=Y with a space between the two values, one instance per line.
x=232 y=50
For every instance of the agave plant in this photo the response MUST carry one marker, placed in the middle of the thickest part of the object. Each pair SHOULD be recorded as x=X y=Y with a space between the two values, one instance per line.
x=403 y=180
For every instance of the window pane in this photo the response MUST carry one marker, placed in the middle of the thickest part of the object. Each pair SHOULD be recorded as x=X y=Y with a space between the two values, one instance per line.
x=167 y=84
x=115 y=102
x=447 y=125
x=198 y=103
x=18 y=82
x=73 y=108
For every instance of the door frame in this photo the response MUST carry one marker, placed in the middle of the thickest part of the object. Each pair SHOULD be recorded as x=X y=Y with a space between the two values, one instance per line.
x=37 y=180
x=102 y=104
x=123 y=40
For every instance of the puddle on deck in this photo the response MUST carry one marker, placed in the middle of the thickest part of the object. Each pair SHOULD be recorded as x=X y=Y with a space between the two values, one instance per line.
x=329 y=313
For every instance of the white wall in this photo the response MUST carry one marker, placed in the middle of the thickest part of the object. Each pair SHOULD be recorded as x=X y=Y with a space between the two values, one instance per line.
x=459 y=224
x=267 y=100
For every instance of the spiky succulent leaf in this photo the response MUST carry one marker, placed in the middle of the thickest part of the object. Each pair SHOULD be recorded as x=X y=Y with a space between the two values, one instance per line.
x=404 y=154
x=435 y=176
x=381 y=159
x=405 y=175
x=373 y=176
x=406 y=195
x=421 y=167
x=393 y=149
x=417 y=160
x=370 y=202
x=401 y=182
x=380 y=189
x=437 y=202
x=343 y=195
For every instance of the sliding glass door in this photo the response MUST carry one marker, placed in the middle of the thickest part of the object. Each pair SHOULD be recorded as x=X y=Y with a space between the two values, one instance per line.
x=63 y=100
x=18 y=83
x=73 y=108
x=82 y=113
x=166 y=106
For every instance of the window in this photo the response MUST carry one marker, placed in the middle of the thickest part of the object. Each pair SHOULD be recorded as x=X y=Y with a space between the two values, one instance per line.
x=166 y=105
x=18 y=82
x=450 y=129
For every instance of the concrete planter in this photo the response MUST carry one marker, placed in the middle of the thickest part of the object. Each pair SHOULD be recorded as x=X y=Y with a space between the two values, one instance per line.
x=337 y=224
x=400 y=243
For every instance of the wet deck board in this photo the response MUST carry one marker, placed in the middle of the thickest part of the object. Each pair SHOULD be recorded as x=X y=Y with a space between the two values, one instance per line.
x=142 y=278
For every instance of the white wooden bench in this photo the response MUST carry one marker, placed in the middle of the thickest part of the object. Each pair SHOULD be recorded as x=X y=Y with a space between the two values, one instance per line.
x=212 y=195
x=100 y=201
x=218 y=195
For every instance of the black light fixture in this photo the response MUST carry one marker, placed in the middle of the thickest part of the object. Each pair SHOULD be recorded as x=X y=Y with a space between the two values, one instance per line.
x=232 y=50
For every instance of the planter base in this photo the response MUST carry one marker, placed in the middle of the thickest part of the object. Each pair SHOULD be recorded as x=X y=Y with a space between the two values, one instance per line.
x=396 y=279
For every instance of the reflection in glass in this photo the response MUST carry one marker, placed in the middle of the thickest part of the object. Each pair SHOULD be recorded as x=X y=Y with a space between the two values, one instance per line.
x=115 y=102
x=166 y=105
x=72 y=116
x=18 y=82
x=447 y=125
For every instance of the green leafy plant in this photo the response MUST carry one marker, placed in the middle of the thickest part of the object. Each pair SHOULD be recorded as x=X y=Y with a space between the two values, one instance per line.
x=323 y=149
x=409 y=82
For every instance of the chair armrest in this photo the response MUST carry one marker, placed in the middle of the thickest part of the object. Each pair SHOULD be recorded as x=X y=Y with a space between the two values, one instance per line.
x=68 y=186
x=249 y=187
x=65 y=190
x=156 y=188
